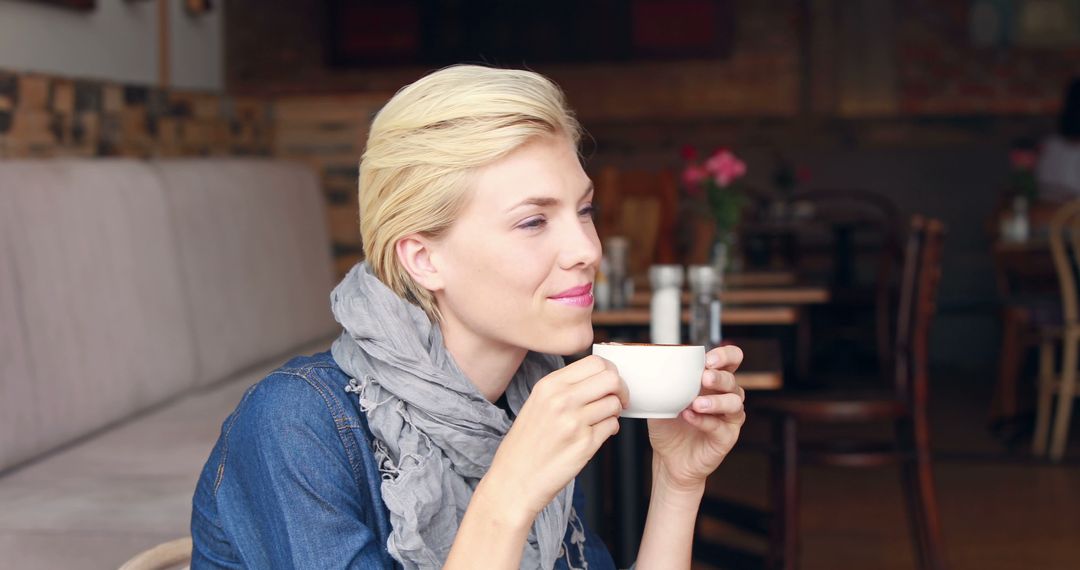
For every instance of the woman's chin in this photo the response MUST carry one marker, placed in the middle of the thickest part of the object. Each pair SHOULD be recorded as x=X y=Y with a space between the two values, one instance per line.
x=573 y=342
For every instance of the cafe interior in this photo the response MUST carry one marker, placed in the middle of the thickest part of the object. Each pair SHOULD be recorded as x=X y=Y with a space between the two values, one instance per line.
x=877 y=200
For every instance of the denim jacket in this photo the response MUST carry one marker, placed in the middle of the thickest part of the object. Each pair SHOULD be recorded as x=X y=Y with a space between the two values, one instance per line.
x=293 y=483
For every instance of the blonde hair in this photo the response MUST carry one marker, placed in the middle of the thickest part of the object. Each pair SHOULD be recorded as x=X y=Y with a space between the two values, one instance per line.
x=425 y=142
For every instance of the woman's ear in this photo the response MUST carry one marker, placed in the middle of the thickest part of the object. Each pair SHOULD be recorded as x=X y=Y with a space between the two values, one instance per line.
x=416 y=254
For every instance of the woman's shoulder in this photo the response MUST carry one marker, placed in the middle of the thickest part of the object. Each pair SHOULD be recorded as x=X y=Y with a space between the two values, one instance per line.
x=289 y=437
x=306 y=393
x=299 y=414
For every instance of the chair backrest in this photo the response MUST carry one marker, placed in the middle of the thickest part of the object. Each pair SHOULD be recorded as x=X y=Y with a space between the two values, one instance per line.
x=870 y=216
x=918 y=304
x=640 y=205
x=868 y=221
x=1065 y=250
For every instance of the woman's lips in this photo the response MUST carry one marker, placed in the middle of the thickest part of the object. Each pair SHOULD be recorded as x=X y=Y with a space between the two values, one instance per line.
x=580 y=296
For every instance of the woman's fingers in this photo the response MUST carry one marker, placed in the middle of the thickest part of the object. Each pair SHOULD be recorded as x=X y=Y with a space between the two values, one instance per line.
x=713 y=423
x=718 y=404
x=724 y=358
x=607 y=382
x=721 y=381
x=598 y=411
x=704 y=422
x=585 y=368
x=604 y=430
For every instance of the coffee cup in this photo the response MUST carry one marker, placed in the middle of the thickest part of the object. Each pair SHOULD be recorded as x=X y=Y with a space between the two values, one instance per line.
x=663 y=379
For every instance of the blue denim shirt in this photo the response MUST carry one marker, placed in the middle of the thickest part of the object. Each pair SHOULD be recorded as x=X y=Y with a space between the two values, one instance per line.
x=293 y=483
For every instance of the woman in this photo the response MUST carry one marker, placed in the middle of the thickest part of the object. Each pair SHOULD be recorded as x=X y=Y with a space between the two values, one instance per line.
x=1058 y=168
x=439 y=431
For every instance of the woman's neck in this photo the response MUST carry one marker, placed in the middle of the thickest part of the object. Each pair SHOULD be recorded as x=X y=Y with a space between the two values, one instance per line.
x=489 y=366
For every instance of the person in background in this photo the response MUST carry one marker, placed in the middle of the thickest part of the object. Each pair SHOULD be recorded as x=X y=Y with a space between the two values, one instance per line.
x=441 y=431
x=1058 y=168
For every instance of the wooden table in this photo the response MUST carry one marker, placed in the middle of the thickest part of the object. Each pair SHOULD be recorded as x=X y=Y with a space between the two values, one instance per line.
x=731 y=315
x=744 y=295
x=771 y=278
x=744 y=306
x=760 y=279
x=1034 y=244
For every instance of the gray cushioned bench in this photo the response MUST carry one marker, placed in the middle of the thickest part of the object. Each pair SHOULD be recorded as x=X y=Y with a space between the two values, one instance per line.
x=138 y=299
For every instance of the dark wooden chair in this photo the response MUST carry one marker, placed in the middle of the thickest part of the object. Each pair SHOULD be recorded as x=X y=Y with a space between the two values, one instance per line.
x=904 y=404
x=852 y=241
x=640 y=205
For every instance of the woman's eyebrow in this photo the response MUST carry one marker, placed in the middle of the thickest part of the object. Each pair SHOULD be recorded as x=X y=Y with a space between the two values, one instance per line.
x=544 y=201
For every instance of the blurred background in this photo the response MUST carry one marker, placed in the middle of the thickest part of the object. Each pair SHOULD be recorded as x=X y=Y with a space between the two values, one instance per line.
x=834 y=122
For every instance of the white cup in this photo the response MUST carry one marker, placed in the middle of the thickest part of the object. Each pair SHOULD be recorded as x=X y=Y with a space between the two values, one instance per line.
x=663 y=379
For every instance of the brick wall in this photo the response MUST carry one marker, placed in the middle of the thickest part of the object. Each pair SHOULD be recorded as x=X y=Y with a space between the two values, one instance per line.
x=44 y=116
x=860 y=58
x=760 y=78
x=328 y=133
x=940 y=72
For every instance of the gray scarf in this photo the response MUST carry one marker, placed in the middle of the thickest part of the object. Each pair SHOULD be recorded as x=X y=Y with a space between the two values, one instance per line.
x=435 y=434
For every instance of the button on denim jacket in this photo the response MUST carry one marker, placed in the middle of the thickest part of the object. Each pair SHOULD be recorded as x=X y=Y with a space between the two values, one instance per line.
x=293 y=483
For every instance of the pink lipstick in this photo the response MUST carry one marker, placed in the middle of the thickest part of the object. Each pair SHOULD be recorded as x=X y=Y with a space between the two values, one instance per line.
x=580 y=296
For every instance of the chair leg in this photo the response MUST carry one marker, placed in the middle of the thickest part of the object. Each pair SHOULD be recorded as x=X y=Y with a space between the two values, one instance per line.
x=803 y=345
x=1066 y=393
x=1004 y=405
x=934 y=551
x=784 y=548
x=918 y=480
x=1046 y=398
x=921 y=498
x=905 y=433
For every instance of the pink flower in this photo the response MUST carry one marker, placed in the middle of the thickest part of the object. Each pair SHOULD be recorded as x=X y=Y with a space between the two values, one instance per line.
x=1023 y=159
x=725 y=167
x=692 y=177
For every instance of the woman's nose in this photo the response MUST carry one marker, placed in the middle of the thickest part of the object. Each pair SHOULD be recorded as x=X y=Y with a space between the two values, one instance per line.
x=581 y=246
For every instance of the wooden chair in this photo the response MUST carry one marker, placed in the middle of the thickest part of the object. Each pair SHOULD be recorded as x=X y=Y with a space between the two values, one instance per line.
x=904 y=404
x=858 y=224
x=165 y=556
x=1030 y=311
x=642 y=206
x=1064 y=247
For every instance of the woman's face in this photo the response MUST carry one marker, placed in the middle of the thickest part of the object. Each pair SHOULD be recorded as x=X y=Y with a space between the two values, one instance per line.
x=518 y=265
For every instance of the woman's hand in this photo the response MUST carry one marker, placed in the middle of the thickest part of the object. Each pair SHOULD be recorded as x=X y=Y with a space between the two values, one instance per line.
x=569 y=414
x=691 y=446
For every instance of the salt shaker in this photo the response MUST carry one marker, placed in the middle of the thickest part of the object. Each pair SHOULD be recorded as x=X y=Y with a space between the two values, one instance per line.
x=666 y=309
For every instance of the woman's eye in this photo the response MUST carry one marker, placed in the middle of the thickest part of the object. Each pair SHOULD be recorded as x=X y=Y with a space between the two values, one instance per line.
x=533 y=223
x=587 y=212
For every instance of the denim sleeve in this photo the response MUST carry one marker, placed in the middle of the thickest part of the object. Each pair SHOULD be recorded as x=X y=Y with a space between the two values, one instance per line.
x=286 y=493
x=596 y=552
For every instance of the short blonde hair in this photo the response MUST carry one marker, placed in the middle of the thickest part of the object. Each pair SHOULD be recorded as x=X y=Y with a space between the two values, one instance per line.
x=424 y=143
